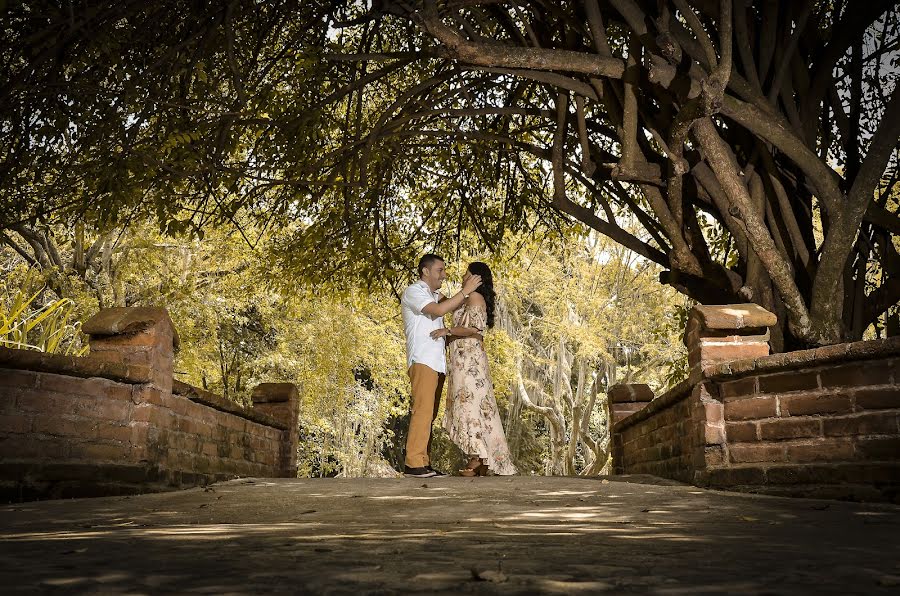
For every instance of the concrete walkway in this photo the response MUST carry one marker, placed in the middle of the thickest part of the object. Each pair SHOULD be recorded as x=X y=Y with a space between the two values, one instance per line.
x=452 y=535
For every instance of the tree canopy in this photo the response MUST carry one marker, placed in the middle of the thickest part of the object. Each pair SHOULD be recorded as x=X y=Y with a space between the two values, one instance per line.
x=754 y=141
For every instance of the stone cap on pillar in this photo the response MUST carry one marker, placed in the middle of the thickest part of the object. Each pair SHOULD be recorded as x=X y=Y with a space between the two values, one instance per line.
x=274 y=393
x=630 y=392
x=727 y=332
x=733 y=316
x=128 y=320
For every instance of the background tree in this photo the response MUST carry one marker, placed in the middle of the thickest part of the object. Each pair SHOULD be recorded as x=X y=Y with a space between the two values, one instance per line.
x=755 y=141
x=767 y=128
x=237 y=329
x=580 y=319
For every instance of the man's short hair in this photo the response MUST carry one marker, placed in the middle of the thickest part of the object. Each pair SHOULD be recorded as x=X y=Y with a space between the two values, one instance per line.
x=427 y=261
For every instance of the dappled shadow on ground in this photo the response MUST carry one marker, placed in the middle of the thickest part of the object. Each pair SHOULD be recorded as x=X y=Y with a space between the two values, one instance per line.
x=493 y=535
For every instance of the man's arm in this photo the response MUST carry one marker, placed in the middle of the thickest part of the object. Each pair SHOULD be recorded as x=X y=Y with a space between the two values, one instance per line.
x=439 y=309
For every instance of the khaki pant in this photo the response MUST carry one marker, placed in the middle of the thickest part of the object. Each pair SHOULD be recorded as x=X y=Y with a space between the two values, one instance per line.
x=427 y=384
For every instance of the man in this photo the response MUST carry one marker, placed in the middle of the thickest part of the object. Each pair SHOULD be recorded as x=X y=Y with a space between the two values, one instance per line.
x=423 y=309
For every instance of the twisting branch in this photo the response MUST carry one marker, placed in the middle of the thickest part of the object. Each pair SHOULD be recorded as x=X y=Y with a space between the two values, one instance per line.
x=482 y=54
x=559 y=140
x=761 y=241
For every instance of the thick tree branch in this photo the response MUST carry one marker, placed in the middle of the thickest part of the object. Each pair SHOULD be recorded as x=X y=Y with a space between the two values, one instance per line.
x=483 y=54
x=761 y=241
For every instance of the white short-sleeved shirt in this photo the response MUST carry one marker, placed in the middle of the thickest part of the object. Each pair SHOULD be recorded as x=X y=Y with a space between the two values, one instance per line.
x=420 y=346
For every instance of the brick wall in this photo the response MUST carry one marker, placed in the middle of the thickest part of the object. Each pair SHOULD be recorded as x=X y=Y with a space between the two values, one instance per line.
x=626 y=399
x=664 y=444
x=115 y=422
x=819 y=428
x=819 y=423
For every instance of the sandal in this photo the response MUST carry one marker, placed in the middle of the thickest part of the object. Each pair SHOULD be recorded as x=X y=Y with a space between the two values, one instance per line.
x=474 y=469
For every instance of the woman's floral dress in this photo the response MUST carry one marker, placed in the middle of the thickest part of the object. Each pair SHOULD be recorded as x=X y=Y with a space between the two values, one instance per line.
x=471 y=417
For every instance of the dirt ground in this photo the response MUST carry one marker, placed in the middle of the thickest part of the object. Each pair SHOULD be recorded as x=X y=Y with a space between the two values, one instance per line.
x=518 y=535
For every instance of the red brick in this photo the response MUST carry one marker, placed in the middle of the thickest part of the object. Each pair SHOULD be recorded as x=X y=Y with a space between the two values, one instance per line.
x=208 y=415
x=204 y=464
x=113 y=432
x=142 y=412
x=8 y=397
x=140 y=372
x=787 y=382
x=887 y=448
x=829 y=450
x=741 y=432
x=805 y=405
x=55 y=424
x=710 y=353
x=759 y=452
x=72 y=385
x=739 y=388
x=858 y=374
x=789 y=428
x=162 y=417
x=39 y=401
x=119 y=391
x=714 y=435
x=836 y=473
x=140 y=434
x=806 y=474
x=108 y=409
x=714 y=412
x=149 y=395
x=150 y=337
x=188 y=442
x=734 y=476
x=876 y=472
x=877 y=399
x=746 y=317
x=871 y=423
x=31 y=446
x=236 y=422
x=752 y=408
x=18 y=378
x=100 y=451
x=15 y=423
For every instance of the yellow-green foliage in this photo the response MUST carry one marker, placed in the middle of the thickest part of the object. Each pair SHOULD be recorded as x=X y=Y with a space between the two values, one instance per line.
x=243 y=321
x=30 y=319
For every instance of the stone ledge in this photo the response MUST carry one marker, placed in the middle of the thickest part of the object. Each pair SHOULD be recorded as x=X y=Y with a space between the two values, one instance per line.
x=629 y=392
x=128 y=320
x=849 y=352
x=217 y=402
x=734 y=316
x=671 y=397
x=272 y=393
x=76 y=366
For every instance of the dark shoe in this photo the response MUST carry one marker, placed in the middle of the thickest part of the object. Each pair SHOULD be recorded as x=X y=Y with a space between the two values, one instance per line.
x=437 y=473
x=418 y=472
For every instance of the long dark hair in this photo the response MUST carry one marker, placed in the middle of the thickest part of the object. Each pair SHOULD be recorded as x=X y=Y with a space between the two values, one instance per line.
x=486 y=288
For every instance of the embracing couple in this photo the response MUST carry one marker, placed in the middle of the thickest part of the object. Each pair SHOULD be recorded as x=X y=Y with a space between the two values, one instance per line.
x=471 y=416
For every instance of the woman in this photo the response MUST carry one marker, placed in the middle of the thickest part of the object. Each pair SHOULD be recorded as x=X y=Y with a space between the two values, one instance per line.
x=471 y=417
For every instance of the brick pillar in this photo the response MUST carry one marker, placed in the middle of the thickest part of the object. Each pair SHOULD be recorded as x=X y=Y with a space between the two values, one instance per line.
x=717 y=334
x=144 y=339
x=727 y=332
x=626 y=399
x=282 y=402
